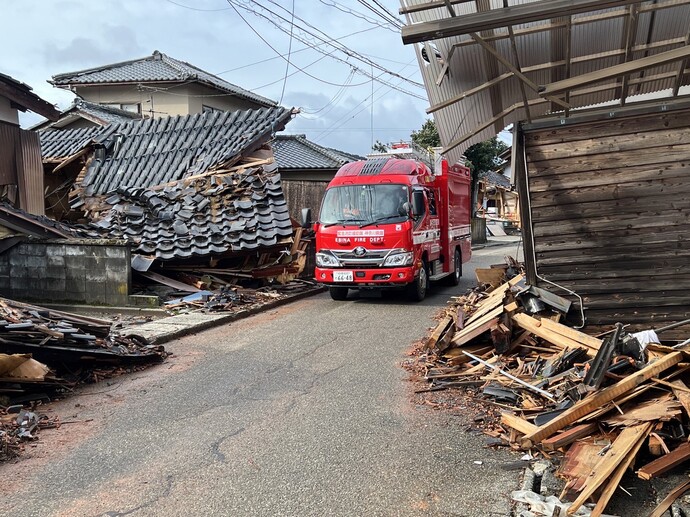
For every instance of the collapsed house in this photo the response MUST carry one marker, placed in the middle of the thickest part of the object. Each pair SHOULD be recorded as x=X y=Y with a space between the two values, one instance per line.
x=186 y=196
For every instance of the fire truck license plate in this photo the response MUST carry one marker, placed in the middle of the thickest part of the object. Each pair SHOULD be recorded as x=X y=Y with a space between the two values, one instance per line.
x=342 y=276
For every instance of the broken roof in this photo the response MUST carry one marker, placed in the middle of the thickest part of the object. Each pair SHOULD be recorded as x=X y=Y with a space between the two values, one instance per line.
x=23 y=98
x=57 y=146
x=495 y=178
x=204 y=216
x=157 y=151
x=157 y=67
x=37 y=225
x=98 y=114
x=296 y=152
x=499 y=62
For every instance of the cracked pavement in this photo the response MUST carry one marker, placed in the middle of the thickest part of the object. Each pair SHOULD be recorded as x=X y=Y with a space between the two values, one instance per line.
x=302 y=411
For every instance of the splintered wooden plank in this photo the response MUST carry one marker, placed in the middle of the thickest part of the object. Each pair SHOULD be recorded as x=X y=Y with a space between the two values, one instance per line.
x=581 y=337
x=441 y=329
x=537 y=327
x=679 y=390
x=471 y=329
x=598 y=399
x=663 y=408
x=567 y=437
x=616 y=477
x=622 y=445
x=519 y=424
x=665 y=463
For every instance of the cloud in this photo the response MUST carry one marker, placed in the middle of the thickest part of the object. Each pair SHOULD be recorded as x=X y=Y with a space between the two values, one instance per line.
x=85 y=52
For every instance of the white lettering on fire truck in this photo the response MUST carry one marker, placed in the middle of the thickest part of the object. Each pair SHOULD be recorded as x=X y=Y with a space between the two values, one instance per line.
x=360 y=233
x=426 y=236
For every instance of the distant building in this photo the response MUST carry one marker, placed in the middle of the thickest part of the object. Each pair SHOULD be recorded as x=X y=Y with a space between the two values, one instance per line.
x=83 y=114
x=306 y=169
x=158 y=86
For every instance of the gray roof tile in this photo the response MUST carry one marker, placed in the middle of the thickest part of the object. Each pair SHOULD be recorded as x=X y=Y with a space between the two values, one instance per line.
x=296 y=152
x=173 y=239
x=154 y=68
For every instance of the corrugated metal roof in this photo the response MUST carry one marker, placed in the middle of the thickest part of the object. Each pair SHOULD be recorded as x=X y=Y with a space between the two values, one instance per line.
x=201 y=217
x=157 y=67
x=597 y=41
x=157 y=151
x=296 y=152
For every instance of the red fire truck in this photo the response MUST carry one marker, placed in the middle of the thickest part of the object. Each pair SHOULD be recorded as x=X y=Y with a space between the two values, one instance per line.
x=390 y=222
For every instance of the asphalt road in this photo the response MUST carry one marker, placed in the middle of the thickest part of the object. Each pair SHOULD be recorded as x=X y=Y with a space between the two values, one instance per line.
x=302 y=411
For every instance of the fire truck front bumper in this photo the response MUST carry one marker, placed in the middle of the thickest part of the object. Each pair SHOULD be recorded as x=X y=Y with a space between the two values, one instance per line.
x=379 y=277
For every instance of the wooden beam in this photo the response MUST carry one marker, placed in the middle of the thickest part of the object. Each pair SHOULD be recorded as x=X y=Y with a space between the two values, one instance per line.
x=681 y=69
x=602 y=397
x=469 y=92
x=630 y=35
x=22 y=96
x=496 y=18
x=610 y=15
x=516 y=58
x=569 y=436
x=615 y=71
x=665 y=463
x=519 y=424
x=616 y=478
x=431 y=5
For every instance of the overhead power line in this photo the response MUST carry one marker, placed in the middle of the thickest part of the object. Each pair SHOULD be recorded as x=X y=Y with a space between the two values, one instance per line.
x=340 y=7
x=349 y=53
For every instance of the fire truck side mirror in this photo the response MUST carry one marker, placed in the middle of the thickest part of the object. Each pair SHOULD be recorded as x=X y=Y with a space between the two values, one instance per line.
x=418 y=206
x=306 y=218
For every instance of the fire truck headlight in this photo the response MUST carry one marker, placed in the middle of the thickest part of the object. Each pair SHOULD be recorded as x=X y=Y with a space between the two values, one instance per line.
x=326 y=260
x=399 y=259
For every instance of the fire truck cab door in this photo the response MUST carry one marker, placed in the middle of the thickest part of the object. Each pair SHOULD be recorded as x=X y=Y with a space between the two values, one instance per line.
x=427 y=230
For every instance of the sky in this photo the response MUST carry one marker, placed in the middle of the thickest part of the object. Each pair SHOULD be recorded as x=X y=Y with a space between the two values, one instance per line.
x=42 y=38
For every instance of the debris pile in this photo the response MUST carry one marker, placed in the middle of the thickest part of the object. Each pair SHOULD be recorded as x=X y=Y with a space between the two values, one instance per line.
x=58 y=338
x=235 y=298
x=608 y=404
x=18 y=425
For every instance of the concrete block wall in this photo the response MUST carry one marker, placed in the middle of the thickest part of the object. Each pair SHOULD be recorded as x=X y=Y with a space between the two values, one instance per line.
x=94 y=272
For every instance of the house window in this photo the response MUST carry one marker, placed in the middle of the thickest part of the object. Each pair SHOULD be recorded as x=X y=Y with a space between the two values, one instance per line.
x=132 y=107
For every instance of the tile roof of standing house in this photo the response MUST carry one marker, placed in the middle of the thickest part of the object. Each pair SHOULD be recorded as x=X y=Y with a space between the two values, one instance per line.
x=296 y=152
x=157 y=67
x=57 y=145
x=199 y=217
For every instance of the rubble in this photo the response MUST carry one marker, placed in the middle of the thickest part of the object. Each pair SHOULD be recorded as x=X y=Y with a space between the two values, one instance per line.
x=17 y=426
x=603 y=404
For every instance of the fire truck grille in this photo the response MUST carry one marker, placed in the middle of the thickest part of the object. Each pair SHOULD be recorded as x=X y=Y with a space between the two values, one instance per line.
x=373 y=258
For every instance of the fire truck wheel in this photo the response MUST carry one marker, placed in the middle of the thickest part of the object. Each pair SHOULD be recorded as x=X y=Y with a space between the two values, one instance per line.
x=338 y=293
x=418 y=288
x=454 y=278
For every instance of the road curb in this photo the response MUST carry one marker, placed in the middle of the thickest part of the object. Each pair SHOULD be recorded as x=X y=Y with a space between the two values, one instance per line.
x=182 y=330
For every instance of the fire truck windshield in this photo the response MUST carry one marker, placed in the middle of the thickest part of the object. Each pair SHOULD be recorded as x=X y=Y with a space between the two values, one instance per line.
x=364 y=204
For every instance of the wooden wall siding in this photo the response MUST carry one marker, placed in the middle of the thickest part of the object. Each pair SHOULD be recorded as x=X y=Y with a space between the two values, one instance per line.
x=303 y=194
x=610 y=207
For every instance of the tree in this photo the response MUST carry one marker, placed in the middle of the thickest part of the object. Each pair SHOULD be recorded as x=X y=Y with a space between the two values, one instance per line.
x=427 y=136
x=379 y=147
x=483 y=157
